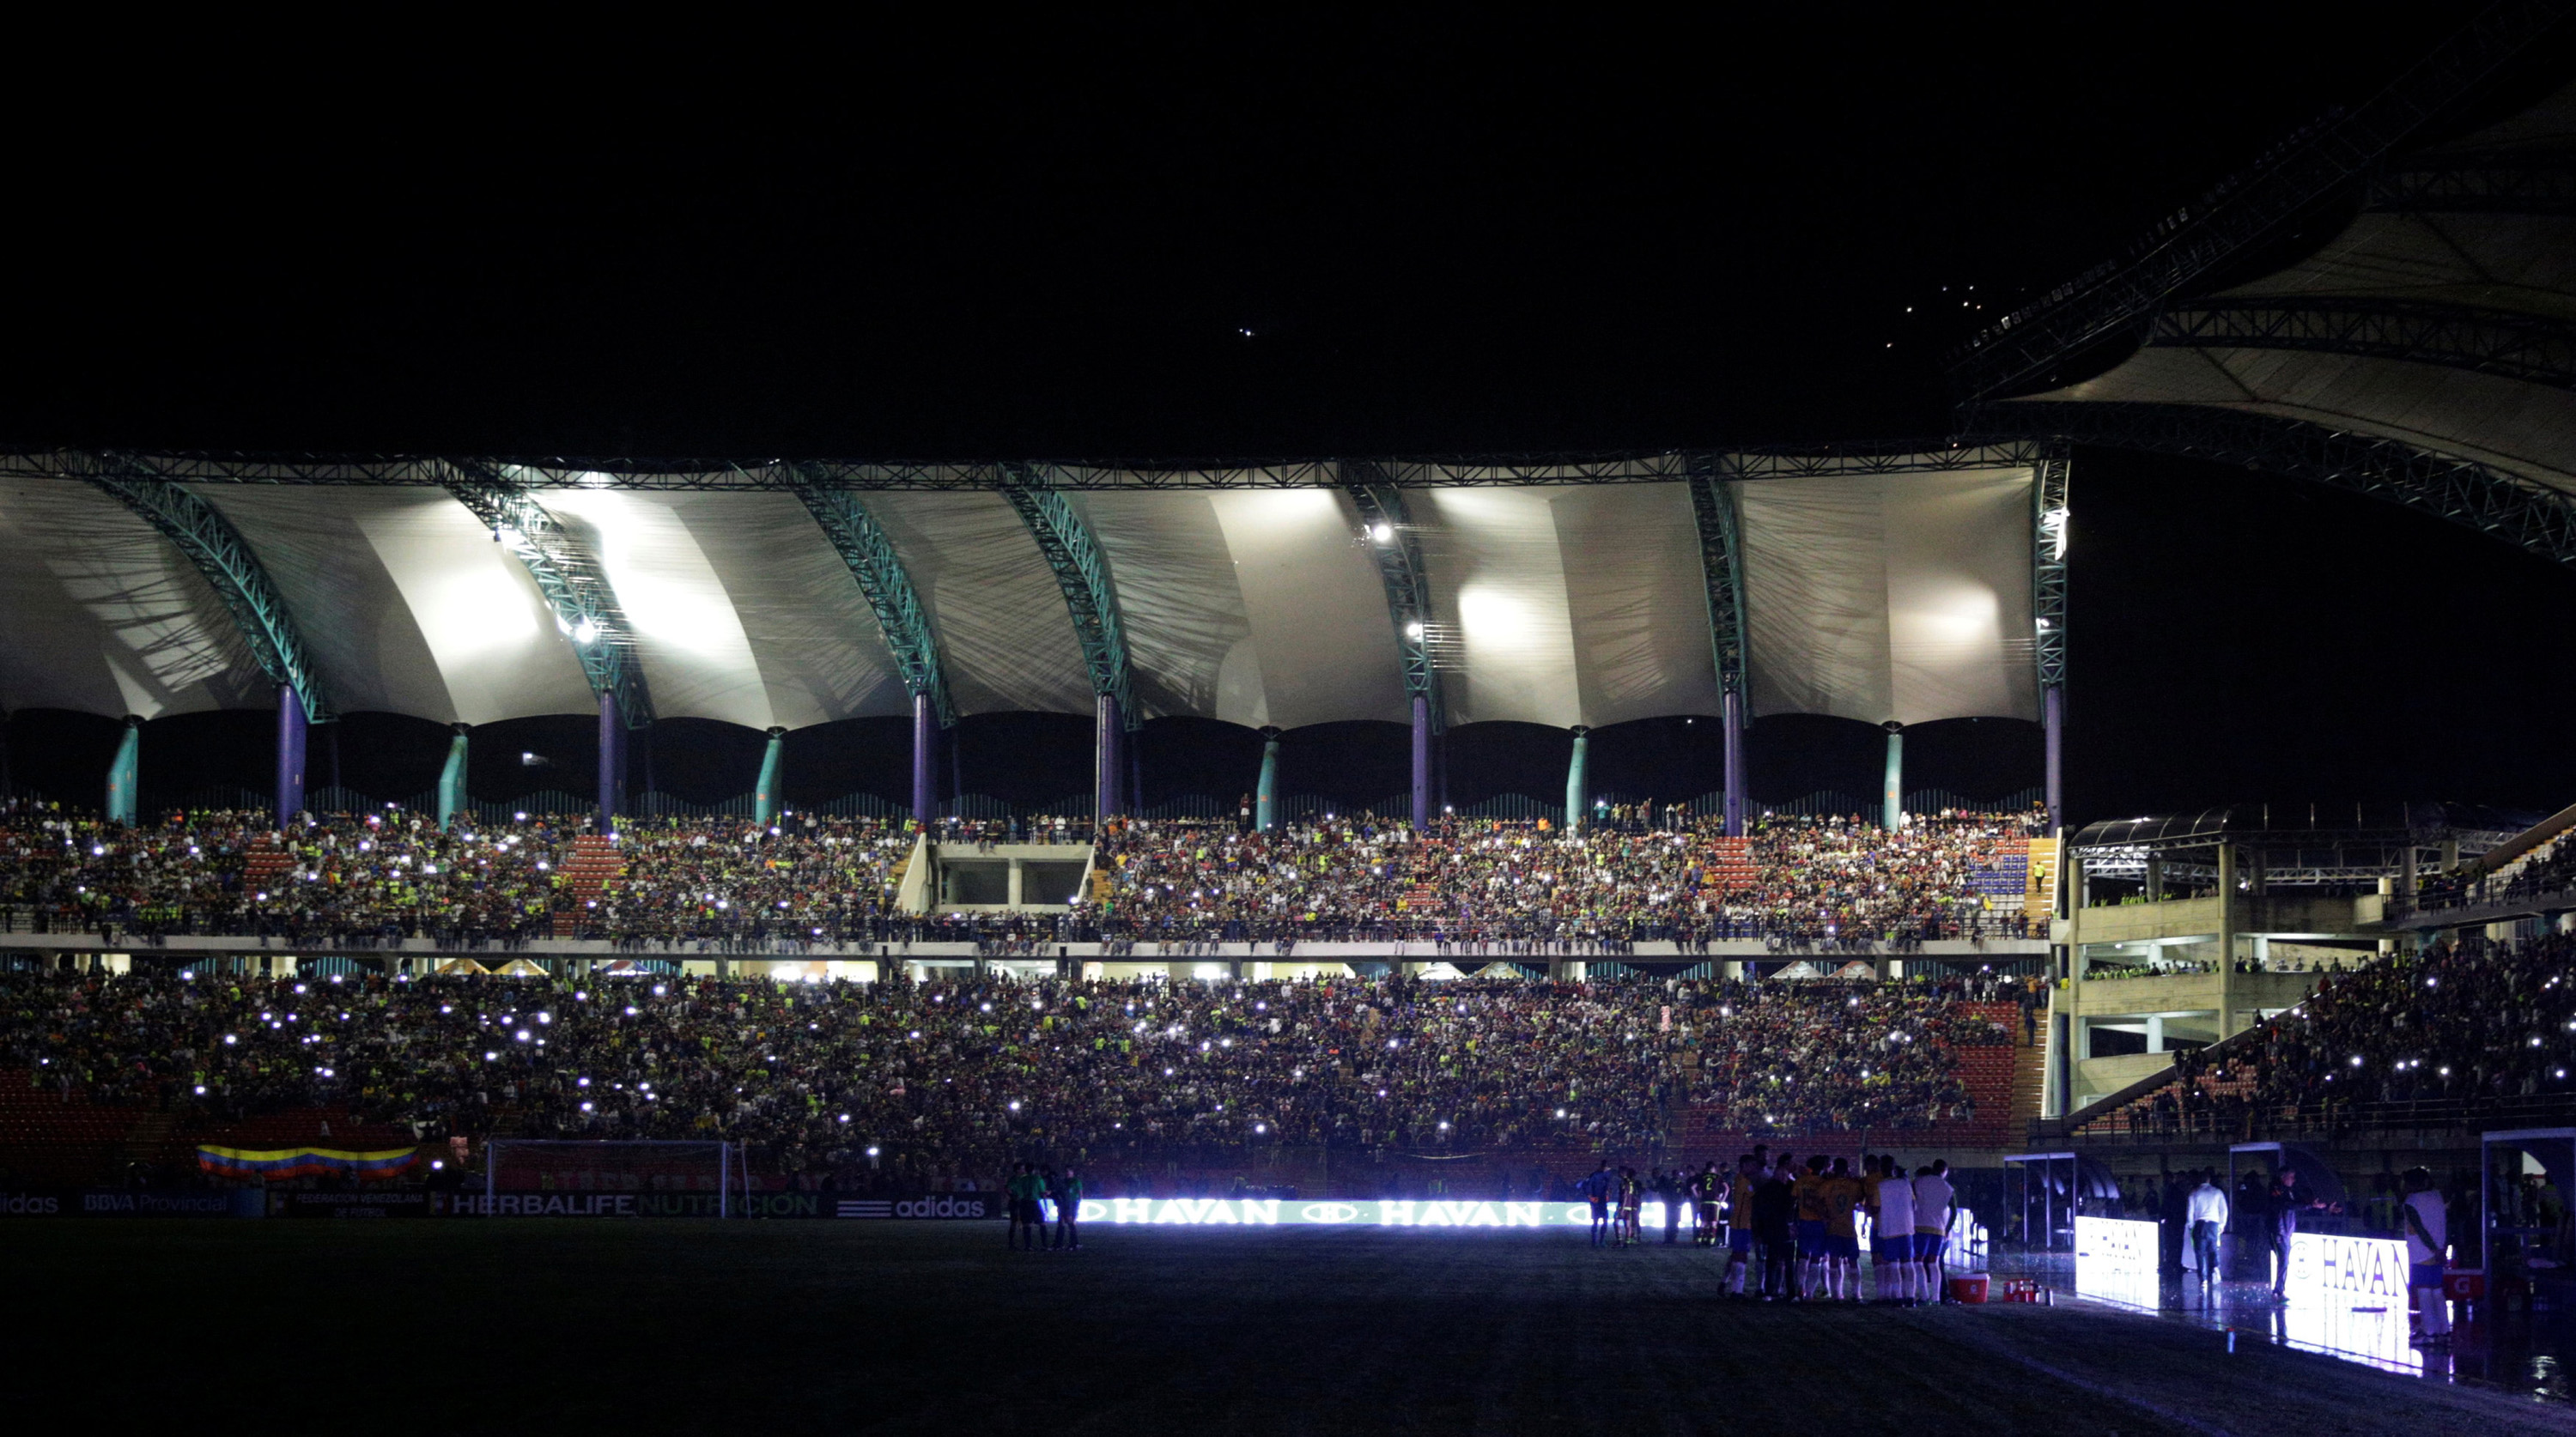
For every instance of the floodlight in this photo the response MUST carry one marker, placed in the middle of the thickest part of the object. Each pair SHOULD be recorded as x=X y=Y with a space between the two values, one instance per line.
x=1381 y=532
x=584 y=632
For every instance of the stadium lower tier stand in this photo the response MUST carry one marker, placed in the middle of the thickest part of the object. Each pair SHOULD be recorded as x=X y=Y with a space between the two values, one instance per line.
x=349 y=879
x=904 y=1084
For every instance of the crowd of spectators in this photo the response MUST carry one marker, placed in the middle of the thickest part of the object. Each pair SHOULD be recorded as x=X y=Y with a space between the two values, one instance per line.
x=1801 y=882
x=962 y=1077
x=2473 y=1018
x=1471 y=885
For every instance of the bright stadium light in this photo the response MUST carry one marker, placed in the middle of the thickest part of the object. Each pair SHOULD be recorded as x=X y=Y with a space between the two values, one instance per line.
x=1382 y=532
x=1413 y=630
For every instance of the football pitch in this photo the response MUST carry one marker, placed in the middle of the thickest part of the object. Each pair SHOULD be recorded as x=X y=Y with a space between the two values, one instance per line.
x=932 y=1327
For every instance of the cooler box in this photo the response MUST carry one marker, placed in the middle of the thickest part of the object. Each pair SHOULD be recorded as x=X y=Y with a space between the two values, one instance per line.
x=2466 y=1284
x=1971 y=1288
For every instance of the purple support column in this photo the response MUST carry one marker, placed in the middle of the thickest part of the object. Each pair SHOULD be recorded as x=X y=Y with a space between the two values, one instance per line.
x=925 y=760
x=1106 y=760
x=612 y=762
x=2052 y=718
x=290 y=754
x=1734 y=727
x=1421 y=762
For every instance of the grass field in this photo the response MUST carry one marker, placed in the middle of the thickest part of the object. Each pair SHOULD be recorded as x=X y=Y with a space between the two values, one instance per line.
x=900 y=1327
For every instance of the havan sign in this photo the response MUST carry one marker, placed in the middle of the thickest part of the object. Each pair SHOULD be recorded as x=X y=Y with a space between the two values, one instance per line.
x=2328 y=1268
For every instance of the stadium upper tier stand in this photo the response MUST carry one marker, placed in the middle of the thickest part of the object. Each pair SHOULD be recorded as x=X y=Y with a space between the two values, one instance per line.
x=2470 y=1031
x=967 y=1076
x=357 y=879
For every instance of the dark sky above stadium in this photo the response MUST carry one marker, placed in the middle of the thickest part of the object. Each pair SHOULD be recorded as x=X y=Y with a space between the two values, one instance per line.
x=1170 y=238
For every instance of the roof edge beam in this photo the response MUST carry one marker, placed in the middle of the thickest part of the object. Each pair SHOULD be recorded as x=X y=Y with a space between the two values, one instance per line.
x=870 y=554
x=1389 y=535
x=210 y=542
x=575 y=587
x=1082 y=573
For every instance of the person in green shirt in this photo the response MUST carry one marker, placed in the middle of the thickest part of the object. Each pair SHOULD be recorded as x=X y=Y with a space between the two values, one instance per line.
x=1021 y=1193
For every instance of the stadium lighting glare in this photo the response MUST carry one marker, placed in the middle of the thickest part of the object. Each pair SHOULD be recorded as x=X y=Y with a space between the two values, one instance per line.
x=1413 y=630
x=1382 y=532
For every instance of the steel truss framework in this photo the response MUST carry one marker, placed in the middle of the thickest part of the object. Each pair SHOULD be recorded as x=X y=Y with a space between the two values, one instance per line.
x=2506 y=506
x=2531 y=348
x=2123 y=295
x=1721 y=559
x=220 y=554
x=2049 y=518
x=2497 y=184
x=863 y=545
x=777 y=475
x=1082 y=572
x=1408 y=585
x=565 y=571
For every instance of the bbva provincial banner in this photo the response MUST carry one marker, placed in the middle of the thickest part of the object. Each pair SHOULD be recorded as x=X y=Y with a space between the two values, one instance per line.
x=280 y=1163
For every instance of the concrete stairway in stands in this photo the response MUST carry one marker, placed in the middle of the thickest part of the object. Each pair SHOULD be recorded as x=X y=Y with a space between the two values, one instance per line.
x=264 y=866
x=594 y=864
x=2030 y=1081
x=1730 y=865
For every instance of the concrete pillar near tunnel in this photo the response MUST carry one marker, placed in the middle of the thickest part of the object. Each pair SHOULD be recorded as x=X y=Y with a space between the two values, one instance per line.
x=764 y=795
x=612 y=762
x=925 y=760
x=291 y=738
x=451 y=778
x=1265 y=795
x=1422 y=762
x=1107 y=760
x=1892 y=782
x=1578 y=788
x=1734 y=760
x=125 y=771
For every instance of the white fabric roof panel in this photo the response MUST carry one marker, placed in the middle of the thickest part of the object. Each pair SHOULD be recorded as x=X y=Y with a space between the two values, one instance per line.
x=2522 y=264
x=405 y=604
x=1005 y=638
x=1558 y=604
x=2525 y=429
x=1252 y=606
x=100 y=614
x=1880 y=597
x=741 y=609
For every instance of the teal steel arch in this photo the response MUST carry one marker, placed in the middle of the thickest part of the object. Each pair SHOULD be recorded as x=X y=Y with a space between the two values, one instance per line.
x=219 y=552
x=566 y=572
x=863 y=544
x=1082 y=572
x=1395 y=544
x=1721 y=557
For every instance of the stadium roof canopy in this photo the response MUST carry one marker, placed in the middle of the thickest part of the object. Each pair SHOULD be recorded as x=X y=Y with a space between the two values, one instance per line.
x=1877 y=586
x=2424 y=354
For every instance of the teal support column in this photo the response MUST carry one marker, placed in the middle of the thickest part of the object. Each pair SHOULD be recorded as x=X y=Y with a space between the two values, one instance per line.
x=764 y=799
x=124 y=772
x=1578 y=793
x=1894 y=791
x=1265 y=796
x=451 y=779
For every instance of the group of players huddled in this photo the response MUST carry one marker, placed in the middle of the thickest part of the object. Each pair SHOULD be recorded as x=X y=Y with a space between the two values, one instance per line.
x=1795 y=1227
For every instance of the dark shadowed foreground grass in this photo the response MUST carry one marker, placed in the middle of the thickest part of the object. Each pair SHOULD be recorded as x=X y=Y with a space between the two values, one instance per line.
x=822 y=1327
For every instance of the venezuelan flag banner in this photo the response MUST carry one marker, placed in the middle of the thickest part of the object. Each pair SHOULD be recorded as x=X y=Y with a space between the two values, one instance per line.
x=304 y=1162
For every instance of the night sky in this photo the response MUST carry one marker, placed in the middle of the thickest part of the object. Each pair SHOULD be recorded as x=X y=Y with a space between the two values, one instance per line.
x=1462 y=233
